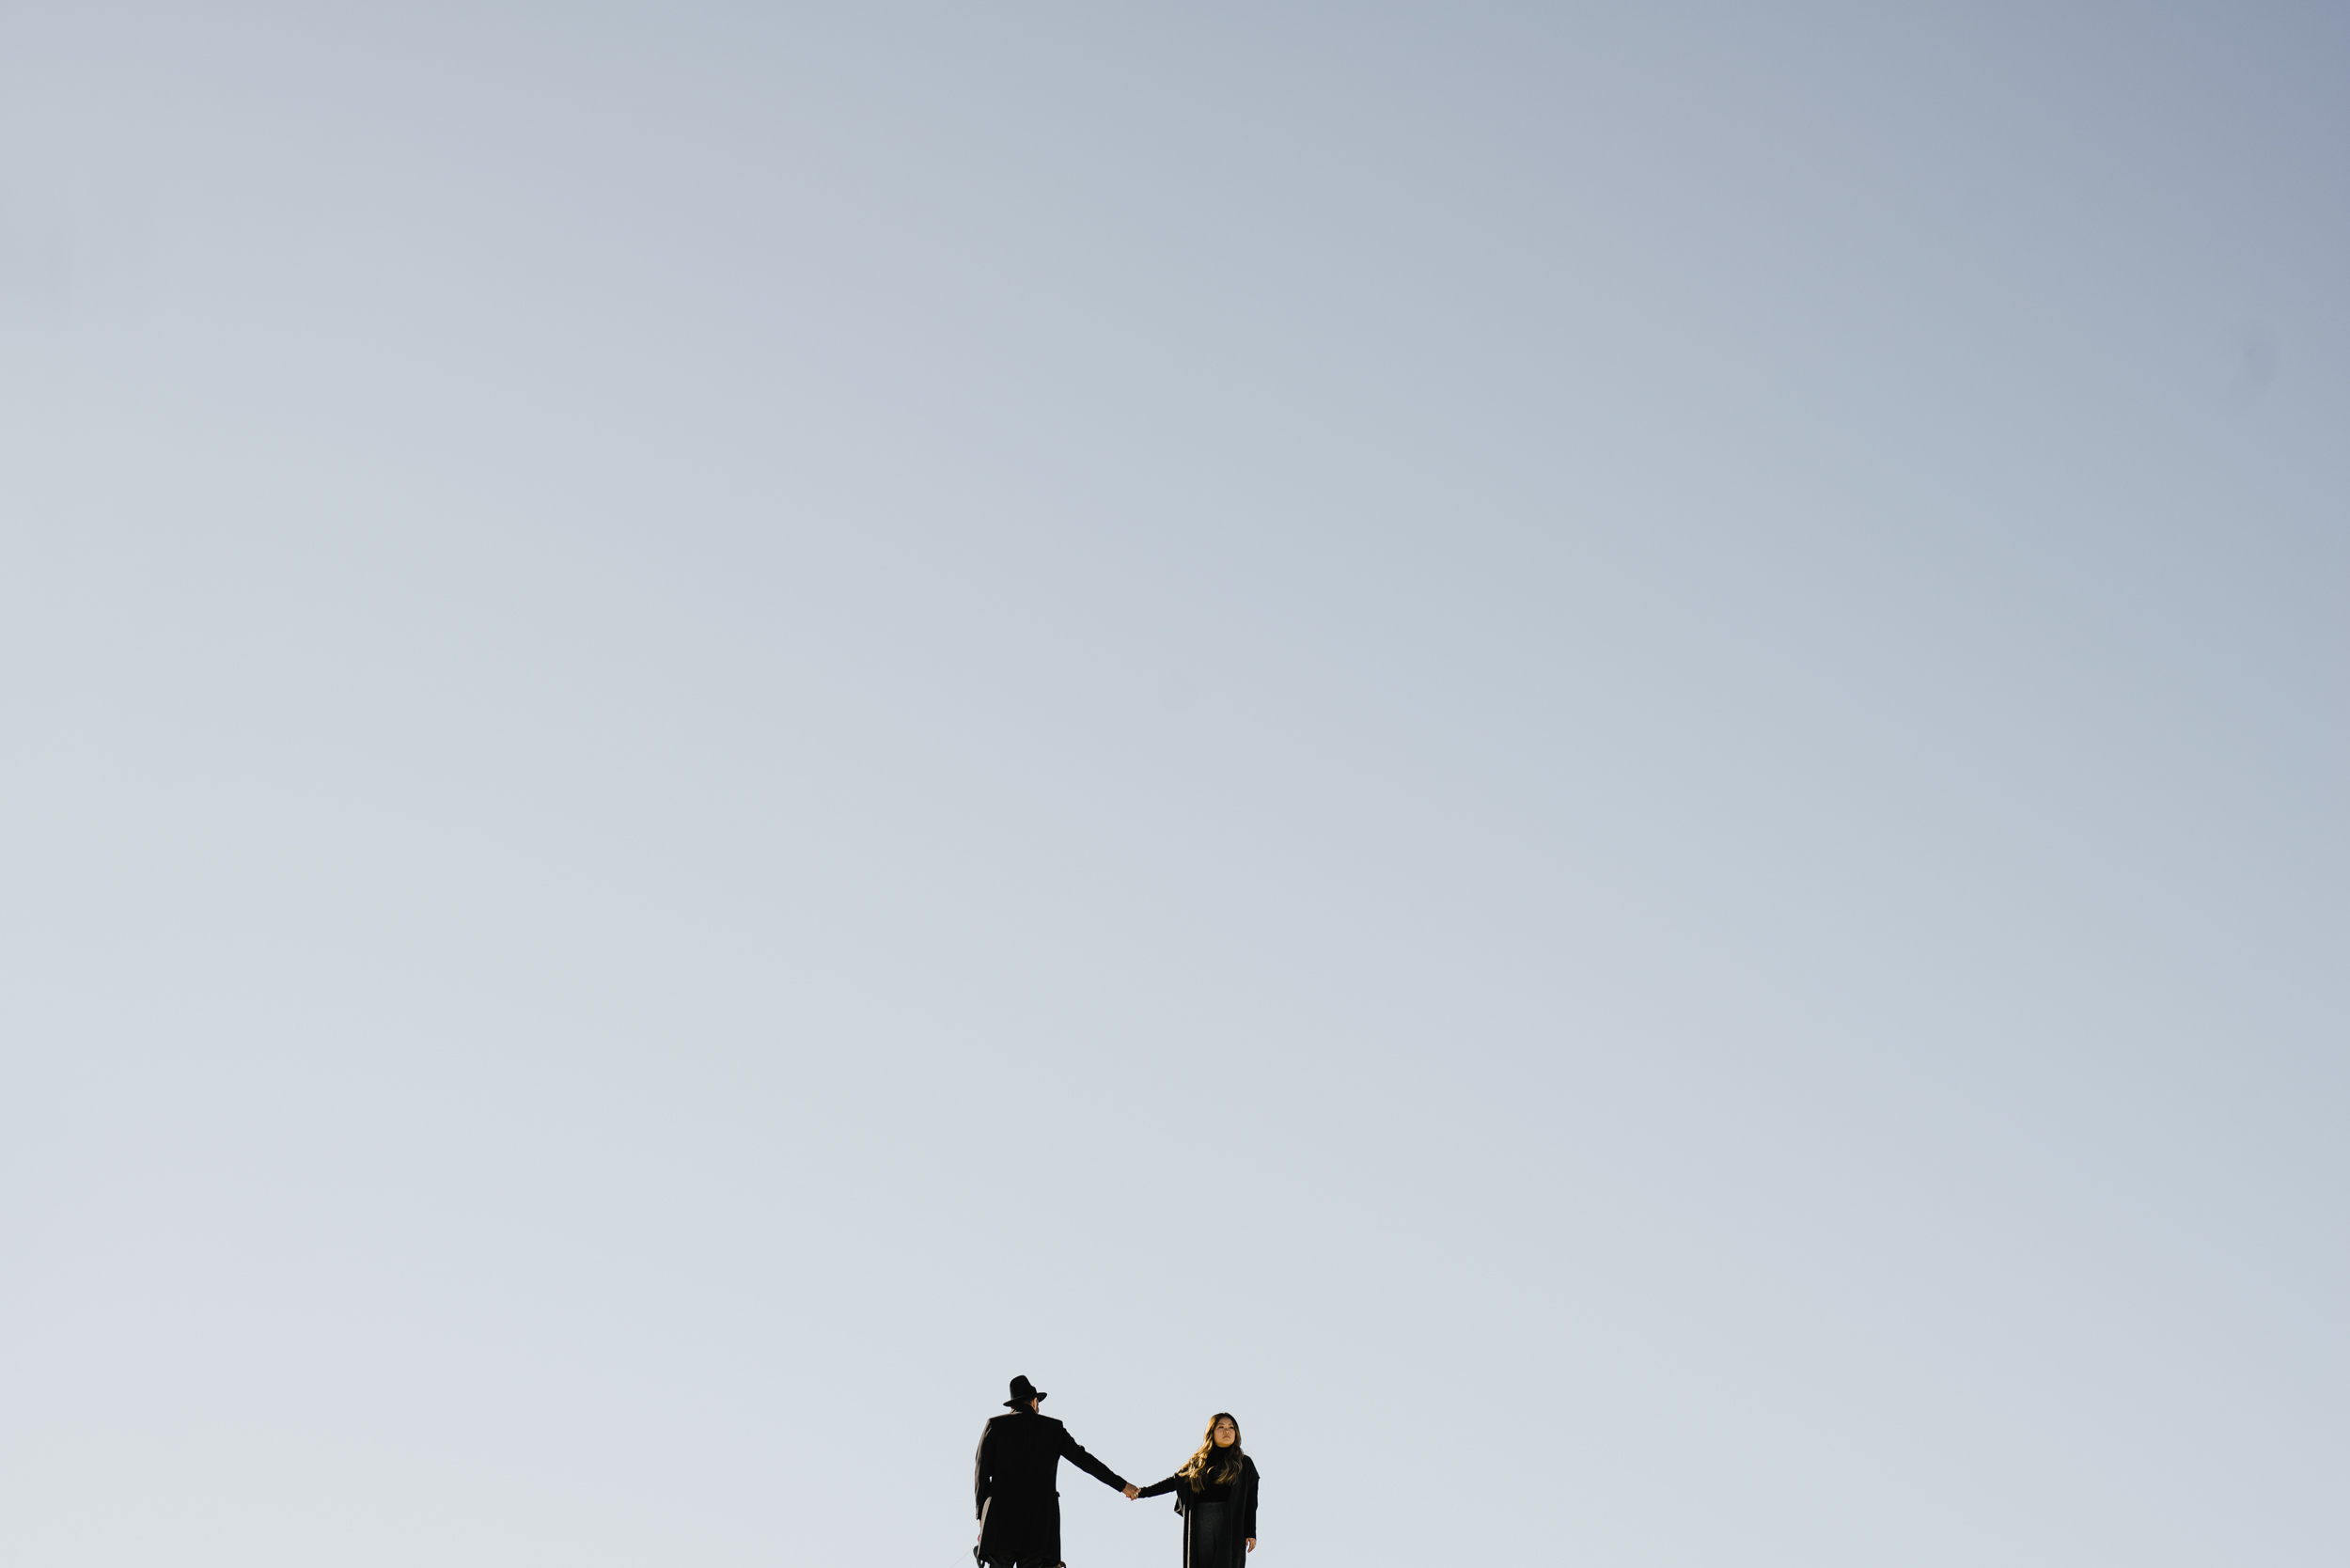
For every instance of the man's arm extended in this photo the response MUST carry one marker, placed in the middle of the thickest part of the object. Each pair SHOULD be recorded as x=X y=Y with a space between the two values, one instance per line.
x=1075 y=1454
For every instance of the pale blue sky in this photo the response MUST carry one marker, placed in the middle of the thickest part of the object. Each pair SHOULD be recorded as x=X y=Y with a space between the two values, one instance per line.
x=1596 y=756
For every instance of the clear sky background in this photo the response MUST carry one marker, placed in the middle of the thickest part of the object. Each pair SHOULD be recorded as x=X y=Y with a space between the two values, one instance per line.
x=1596 y=755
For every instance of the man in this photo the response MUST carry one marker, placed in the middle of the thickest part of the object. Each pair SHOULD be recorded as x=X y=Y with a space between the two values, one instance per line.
x=1015 y=1482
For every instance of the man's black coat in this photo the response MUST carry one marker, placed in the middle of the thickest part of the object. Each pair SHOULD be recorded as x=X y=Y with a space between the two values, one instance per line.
x=1014 y=1487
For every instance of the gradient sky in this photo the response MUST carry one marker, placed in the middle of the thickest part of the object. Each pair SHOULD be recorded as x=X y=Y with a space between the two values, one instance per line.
x=1595 y=755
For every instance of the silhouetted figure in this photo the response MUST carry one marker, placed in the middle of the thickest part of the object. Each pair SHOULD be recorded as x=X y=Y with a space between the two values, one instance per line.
x=1014 y=1482
x=1215 y=1492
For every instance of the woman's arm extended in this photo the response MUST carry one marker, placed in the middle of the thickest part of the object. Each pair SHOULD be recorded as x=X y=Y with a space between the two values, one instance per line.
x=1159 y=1488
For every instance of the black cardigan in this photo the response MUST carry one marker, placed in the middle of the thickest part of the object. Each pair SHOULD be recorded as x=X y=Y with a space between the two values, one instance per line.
x=1215 y=1492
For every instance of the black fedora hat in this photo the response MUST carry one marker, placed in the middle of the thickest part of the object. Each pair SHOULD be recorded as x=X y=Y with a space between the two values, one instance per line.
x=1022 y=1392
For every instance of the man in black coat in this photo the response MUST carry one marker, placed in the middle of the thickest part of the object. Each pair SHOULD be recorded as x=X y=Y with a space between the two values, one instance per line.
x=1014 y=1484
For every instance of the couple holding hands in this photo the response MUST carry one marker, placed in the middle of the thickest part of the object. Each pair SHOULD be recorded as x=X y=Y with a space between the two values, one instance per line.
x=1019 y=1455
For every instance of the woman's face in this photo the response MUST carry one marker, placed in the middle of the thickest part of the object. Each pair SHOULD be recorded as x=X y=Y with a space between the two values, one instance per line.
x=1226 y=1433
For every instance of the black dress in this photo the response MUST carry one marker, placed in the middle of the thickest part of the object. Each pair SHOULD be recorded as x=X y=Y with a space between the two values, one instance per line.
x=1219 y=1519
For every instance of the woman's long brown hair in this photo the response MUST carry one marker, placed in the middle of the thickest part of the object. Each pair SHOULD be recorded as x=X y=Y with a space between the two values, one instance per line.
x=1196 y=1468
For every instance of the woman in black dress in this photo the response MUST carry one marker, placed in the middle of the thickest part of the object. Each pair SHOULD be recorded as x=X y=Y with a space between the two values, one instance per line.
x=1215 y=1492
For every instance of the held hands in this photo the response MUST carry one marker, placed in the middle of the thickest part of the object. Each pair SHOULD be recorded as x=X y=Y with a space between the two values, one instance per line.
x=1132 y=1491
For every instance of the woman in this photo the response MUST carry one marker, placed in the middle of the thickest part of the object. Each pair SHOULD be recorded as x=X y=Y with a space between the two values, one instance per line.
x=1215 y=1492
